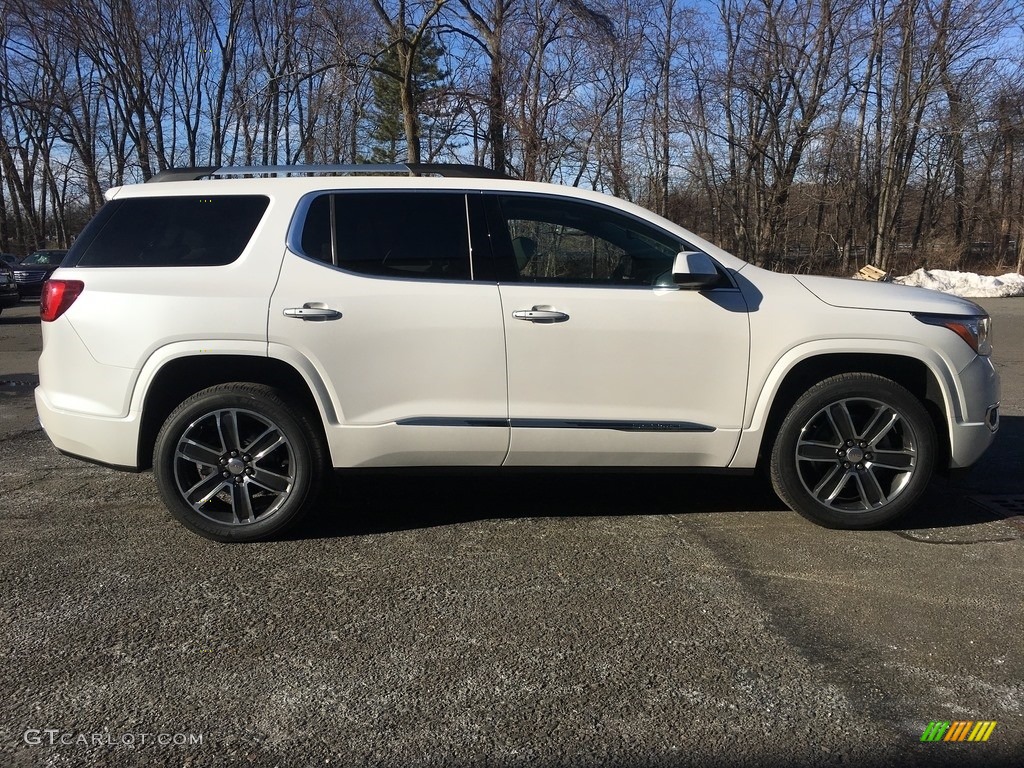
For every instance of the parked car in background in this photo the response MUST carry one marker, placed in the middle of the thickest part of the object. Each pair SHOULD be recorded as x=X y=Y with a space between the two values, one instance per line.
x=35 y=269
x=9 y=258
x=9 y=293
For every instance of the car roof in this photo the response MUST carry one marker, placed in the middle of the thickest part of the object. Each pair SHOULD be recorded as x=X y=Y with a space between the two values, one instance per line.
x=293 y=182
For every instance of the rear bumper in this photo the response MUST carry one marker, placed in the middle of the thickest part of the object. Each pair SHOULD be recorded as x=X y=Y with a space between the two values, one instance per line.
x=109 y=441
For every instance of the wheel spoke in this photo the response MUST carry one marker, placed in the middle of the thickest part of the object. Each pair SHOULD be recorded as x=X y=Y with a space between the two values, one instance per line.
x=810 y=450
x=841 y=420
x=241 y=504
x=227 y=424
x=264 y=444
x=192 y=450
x=898 y=460
x=272 y=481
x=832 y=484
x=269 y=435
x=871 y=493
x=882 y=422
x=201 y=493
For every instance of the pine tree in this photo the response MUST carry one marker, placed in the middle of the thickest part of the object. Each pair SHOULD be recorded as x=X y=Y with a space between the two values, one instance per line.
x=387 y=129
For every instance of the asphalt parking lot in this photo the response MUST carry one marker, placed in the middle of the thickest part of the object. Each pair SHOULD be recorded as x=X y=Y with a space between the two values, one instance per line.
x=506 y=620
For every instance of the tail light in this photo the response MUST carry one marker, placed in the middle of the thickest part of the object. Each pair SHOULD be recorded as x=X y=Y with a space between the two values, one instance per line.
x=57 y=296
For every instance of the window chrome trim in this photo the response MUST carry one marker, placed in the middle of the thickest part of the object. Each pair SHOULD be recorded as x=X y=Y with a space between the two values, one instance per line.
x=334 y=233
x=469 y=235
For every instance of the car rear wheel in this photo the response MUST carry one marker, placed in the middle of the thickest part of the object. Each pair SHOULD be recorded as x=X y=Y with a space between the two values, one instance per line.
x=855 y=451
x=238 y=462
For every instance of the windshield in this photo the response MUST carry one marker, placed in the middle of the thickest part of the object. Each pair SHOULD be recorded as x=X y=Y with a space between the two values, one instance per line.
x=45 y=258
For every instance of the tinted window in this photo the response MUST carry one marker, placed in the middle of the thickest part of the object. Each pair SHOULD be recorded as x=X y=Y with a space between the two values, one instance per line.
x=169 y=232
x=564 y=241
x=394 y=234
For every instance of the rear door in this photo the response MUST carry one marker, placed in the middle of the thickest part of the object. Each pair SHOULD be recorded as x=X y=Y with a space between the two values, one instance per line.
x=380 y=302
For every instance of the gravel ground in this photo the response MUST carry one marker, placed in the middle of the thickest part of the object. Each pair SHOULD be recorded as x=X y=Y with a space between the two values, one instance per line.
x=486 y=619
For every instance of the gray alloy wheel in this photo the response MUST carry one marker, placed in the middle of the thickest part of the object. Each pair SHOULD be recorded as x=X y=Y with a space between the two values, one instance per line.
x=856 y=451
x=234 y=466
x=236 y=462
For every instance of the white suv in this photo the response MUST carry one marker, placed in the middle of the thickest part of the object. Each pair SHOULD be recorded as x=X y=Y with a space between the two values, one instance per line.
x=242 y=330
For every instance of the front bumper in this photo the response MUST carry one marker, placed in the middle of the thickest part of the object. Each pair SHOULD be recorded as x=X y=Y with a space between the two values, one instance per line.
x=31 y=289
x=9 y=295
x=974 y=428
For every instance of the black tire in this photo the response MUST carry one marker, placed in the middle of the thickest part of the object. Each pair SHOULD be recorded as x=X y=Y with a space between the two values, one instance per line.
x=855 y=451
x=238 y=462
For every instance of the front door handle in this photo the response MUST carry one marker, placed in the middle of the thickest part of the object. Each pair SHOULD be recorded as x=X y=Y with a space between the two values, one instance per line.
x=312 y=311
x=540 y=314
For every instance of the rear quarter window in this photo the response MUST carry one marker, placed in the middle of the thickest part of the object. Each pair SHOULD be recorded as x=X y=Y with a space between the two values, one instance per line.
x=169 y=232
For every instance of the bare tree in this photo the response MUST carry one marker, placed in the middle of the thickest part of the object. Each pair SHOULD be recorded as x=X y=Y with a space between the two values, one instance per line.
x=777 y=76
x=487 y=24
x=806 y=134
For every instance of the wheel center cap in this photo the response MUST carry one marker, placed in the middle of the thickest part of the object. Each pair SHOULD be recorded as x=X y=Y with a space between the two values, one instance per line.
x=854 y=455
x=236 y=466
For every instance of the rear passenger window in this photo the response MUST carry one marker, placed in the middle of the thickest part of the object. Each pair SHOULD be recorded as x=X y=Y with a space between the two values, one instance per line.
x=169 y=232
x=391 y=234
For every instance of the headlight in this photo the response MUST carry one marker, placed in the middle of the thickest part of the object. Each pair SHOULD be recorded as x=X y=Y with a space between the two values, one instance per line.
x=974 y=329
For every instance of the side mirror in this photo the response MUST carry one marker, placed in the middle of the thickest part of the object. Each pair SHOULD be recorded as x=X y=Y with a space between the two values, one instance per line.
x=694 y=270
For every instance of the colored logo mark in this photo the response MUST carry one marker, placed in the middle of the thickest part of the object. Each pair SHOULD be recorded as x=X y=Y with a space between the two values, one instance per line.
x=959 y=730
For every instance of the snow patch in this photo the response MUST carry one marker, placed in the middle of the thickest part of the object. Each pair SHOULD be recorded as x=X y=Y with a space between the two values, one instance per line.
x=966 y=284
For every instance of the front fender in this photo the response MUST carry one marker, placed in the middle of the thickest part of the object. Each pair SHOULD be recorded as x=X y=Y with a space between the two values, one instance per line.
x=942 y=370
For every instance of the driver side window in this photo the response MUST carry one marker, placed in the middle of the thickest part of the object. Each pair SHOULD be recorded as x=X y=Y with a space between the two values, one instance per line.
x=567 y=242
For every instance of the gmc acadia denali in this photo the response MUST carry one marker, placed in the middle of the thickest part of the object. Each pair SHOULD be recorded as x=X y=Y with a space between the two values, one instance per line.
x=244 y=330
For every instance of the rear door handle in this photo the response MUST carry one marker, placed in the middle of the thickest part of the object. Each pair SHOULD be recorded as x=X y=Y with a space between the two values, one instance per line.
x=540 y=315
x=312 y=311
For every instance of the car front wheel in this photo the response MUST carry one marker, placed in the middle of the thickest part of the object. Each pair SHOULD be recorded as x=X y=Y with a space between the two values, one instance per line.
x=855 y=451
x=237 y=462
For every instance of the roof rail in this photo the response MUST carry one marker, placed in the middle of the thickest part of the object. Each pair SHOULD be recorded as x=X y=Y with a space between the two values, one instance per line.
x=182 y=174
x=454 y=171
x=450 y=170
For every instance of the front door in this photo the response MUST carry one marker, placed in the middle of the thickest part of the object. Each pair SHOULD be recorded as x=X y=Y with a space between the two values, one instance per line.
x=609 y=363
